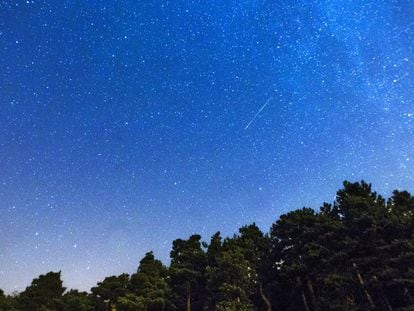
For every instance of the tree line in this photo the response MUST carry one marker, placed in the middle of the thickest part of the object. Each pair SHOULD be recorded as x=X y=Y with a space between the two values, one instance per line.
x=356 y=253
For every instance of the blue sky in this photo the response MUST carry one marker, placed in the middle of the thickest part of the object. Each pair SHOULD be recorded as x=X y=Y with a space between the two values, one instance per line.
x=123 y=125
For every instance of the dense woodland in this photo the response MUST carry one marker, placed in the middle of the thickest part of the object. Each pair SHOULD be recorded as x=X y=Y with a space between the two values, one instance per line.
x=354 y=254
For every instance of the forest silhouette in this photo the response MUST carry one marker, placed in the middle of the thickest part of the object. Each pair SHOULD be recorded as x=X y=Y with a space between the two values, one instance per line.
x=356 y=253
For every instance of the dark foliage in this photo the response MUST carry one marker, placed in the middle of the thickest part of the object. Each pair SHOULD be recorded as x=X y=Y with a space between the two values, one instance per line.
x=354 y=254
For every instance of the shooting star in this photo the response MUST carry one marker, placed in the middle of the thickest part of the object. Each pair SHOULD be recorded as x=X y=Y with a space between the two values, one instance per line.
x=257 y=114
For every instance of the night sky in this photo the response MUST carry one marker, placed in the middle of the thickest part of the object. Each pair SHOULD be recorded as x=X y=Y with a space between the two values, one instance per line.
x=127 y=124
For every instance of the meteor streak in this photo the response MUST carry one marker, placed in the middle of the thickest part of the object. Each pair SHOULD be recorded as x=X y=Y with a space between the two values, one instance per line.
x=257 y=114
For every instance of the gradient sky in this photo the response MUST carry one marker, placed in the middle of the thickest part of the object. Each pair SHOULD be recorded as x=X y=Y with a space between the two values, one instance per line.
x=127 y=124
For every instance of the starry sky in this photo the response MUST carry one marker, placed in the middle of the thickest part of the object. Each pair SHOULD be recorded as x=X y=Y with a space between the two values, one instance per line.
x=127 y=124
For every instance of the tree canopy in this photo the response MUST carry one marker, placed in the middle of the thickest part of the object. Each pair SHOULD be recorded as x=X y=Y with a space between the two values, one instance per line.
x=356 y=253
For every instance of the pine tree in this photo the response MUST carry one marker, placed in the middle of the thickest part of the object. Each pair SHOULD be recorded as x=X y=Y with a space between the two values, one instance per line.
x=45 y=293
x=188 y=264
x=110 y=289
x=150 y=283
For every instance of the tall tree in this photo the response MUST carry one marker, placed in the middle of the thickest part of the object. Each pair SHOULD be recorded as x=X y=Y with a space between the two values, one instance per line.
x=230 y=280
x=214 y=249
x=150 y=283
x=394 y=284
x=110 y=289
x=365 y=217
x=291 y=236
x=188 y=264
x=256 y=250
x=45 y=293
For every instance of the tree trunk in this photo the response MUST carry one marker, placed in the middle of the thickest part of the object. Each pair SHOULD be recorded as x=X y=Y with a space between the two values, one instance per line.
x=188 y=300
x=362 y=284
x=305 y=302
x=265 y=299
x=312 y=294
